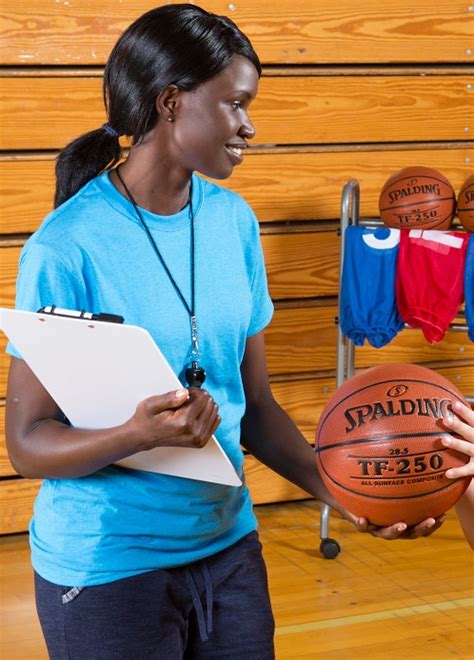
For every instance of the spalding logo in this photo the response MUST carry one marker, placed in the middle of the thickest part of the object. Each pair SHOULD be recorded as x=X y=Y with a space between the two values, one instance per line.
x=371 y=412
x=397 y=390
x=412 y=187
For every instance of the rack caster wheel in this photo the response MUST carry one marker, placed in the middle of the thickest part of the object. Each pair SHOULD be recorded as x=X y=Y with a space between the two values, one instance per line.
x=329 y=548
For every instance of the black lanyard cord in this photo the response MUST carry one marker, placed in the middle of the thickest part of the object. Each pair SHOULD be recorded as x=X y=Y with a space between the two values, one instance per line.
x=189 y=309
x=195 y=375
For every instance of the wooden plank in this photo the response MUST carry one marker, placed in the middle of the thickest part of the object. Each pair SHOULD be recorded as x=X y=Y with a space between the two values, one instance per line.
x=303 y=400
x=302 y=265
x=80 y=33
x=6 y=469
x=17 y=495
x=266 y=486
x=16 y=504
x=8 y=275
x=299 y=265
x=27 y=192
x=302 y=185
x=302 y=339
x=288 y=109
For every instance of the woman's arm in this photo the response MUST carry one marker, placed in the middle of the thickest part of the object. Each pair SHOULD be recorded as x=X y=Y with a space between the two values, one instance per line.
x=41 y=445
x=272 y=437
x=463 y=424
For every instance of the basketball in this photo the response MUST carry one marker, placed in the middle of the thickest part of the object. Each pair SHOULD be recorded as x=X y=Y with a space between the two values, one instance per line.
x=417 y=197
x=378 y=445
x=465 y=209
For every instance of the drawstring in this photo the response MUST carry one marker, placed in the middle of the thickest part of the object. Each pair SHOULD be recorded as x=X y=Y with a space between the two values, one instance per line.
x=203 y=629
x=209 y=595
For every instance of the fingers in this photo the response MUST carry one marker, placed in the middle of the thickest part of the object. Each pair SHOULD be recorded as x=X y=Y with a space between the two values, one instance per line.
x=169 y=401
x=402 y=531
x=200 y=402
x=208 y=420
x=465 y=444
x=199 y=418
x=425 y=528
x=466 y=470
x=466 y=413
x=388 y=533
x=462 y=422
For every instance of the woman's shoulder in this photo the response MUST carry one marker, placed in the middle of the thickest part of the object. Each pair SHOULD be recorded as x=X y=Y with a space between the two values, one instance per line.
x=224 y=199
x=212 y=189
x=74 y=215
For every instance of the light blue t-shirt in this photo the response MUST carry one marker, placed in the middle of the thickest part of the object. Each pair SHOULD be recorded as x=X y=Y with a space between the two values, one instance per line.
x=92 y=253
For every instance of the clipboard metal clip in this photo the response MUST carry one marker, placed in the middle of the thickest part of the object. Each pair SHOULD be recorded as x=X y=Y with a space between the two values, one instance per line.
x=86 y=316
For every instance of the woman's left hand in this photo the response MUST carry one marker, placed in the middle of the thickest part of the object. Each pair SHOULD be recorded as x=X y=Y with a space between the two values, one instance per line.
x=462 y=423
x=398 y=530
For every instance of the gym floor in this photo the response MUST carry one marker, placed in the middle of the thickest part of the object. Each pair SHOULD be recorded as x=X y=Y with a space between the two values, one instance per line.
x=377 y=600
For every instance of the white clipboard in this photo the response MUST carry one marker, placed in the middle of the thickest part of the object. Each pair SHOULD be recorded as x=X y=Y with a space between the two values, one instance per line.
x=97 y=372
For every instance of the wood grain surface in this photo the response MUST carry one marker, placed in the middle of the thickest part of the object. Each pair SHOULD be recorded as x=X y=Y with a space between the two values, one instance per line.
x=280 y=186
x=288 y=109
x=83 y=33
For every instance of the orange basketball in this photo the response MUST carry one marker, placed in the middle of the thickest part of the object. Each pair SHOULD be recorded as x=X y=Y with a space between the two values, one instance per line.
x=465 y=209
x=417 y=197
x=378 y=445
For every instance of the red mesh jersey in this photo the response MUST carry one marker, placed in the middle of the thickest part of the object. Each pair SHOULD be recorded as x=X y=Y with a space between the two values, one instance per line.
x=430 y=279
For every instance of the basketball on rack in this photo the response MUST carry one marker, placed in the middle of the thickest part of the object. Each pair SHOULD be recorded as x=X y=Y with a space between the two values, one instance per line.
x=465 y=209
x=417 y=197
x=378 y=445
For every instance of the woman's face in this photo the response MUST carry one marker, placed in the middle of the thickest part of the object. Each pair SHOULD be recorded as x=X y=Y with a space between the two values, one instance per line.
x=212 y=125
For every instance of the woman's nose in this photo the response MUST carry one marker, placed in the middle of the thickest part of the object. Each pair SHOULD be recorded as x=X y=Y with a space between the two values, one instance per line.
x=247 y=130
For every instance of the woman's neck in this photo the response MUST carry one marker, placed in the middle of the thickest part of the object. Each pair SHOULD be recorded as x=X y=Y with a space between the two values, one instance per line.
x=155 y=185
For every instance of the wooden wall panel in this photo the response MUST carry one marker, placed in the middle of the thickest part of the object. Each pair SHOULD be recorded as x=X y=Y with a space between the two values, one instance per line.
x=288 y=109
x=18 y=495
x=302 y=265
x=4 y=365
x=16 y=504
x=302 y=339
x=266 y=486
x=38 y=32
x=299 y=185
x=303 y=400
x=6 y=469
x=8 y=273
x=299 y=265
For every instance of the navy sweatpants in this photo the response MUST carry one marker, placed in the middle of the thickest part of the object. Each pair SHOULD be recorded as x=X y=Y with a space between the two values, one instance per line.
x=214 y=608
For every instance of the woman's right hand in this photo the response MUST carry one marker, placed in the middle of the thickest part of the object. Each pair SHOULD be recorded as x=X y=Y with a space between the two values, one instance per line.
x=182 y=418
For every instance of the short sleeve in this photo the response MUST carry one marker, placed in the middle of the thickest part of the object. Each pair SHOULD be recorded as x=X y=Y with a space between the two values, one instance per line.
x=262 y=306
x=44 y=280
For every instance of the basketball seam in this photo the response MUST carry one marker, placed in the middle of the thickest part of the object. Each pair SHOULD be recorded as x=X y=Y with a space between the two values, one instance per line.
x=383 y=382
x=412 y=176
x=382 y=438
x=427 y=201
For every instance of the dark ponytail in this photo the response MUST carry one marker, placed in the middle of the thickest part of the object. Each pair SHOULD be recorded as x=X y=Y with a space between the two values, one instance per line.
x=83 y=159
x=180 y=45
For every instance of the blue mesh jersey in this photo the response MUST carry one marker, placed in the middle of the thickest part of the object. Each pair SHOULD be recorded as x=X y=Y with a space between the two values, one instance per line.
x=368 y=307
x=92 y=253
x=469 y=287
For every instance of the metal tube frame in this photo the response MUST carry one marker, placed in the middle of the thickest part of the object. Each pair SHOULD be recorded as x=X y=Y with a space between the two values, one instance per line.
x=350 y=215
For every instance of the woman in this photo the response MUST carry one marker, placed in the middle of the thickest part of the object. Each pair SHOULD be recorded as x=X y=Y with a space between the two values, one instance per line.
x=462 y=424
x=132 y=564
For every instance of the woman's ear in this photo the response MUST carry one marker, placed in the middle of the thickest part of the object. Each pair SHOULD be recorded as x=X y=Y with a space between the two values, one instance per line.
x=167 y=102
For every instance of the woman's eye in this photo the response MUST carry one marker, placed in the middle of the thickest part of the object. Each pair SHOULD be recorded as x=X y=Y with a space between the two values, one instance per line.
x=236 y=105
